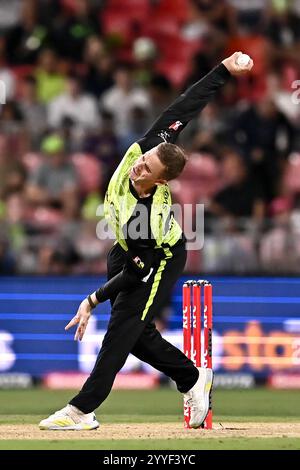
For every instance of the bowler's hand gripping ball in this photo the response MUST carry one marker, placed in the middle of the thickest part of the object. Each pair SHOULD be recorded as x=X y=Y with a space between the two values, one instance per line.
x=243 y=60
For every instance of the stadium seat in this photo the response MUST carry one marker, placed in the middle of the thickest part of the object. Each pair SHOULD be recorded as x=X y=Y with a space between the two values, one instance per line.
x=199 y=181
x=161 y=25
x=133 y=9
x=21 y=71
x=69 y=6
x=173 y=8
x=124 y=17
x=89 y=172
x=175 y=71
x=115 y=23
x=175 y=57
x=128 y=4
x=252 y=86
x=255 y=46
x=172 y=46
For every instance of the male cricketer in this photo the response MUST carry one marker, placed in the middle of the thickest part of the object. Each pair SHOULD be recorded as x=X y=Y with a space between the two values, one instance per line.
x=143 y=270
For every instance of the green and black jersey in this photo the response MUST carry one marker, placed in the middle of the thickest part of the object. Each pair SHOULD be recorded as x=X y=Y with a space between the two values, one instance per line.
x=121 y=200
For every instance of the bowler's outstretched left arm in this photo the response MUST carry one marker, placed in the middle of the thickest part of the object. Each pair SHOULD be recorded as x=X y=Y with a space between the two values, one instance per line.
x=188 y=105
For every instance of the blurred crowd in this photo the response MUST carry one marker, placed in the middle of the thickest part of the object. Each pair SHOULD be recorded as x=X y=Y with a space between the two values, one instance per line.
x=85 y=78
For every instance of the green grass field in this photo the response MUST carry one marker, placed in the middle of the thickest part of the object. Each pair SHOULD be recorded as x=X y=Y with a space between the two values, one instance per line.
x=154 y=408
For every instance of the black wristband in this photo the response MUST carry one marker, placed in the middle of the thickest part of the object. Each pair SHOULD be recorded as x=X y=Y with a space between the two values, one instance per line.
x=92 y=305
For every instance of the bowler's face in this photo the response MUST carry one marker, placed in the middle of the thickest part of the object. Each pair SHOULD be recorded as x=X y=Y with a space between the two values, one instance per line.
x=148 y=169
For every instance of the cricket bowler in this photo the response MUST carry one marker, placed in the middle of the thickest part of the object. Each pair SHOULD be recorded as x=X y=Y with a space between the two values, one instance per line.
x=142 y=270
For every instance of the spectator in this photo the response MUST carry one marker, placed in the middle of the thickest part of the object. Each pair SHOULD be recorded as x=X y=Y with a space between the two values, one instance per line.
x=73 y=32
x=240 y=197
x=76 y=105
x=41 y=41
x=208 y=132
x=12 y=173
x=54 y=184
x=265 y=136
x=279 y=246
x=6 y=76
x=26 y=39
x=283 y=29
x=145 y=54
x=160 y=94
x=14 y=221
x=10 y=14
x=50 y=82
x=219 y=13
x=7 y=259
x=250 y=15
x=196 y=26
x=91 y=251
x=122 y=98
x=50 y=12
x=211 y=51
x=44 y=257
x=33 y=111
x=99 y=74
x=105 y=146
x=230 y=251
x=282 y=97
x=138 y=120
x=56 y=257
x=12 y=124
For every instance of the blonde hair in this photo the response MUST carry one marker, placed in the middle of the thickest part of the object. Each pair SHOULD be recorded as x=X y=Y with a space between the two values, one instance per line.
x=173 y=158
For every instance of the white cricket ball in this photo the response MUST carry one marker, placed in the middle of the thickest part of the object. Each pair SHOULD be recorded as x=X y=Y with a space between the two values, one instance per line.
x=243 y=60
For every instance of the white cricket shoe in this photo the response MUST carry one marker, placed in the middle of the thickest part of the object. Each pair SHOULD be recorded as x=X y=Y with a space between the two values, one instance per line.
x=197 y=398
x=69 y=418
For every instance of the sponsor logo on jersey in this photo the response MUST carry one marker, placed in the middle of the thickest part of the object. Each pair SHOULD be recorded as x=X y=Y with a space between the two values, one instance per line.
x=139 y=262
x=164 y=135
x=175 y=126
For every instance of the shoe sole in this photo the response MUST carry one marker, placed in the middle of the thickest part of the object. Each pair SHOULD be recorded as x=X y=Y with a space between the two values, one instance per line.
x=207 y=390
x=69 y=428
x=212 y=384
